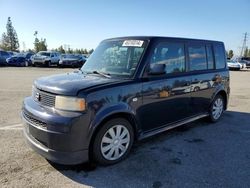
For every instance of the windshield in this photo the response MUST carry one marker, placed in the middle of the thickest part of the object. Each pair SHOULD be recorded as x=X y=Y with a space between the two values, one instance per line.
x=44 y=54
x=119 y=58
x=69 y=56
x=19 y=55
x=235 y=62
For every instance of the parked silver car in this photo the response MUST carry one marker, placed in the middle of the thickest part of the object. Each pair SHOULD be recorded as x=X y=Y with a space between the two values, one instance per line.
x=46 y=58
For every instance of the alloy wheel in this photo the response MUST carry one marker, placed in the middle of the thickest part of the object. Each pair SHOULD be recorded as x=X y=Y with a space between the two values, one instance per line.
x=217 y=108
x=115 y=142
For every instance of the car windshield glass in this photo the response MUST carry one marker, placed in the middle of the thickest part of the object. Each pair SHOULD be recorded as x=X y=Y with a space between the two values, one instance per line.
x=19 y=55
x=69 y=56
x=44 y=53
x=118 y=58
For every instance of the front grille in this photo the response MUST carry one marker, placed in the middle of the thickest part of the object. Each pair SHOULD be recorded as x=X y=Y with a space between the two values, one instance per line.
x=38 y=58
x=34 y=121
x=45 y=99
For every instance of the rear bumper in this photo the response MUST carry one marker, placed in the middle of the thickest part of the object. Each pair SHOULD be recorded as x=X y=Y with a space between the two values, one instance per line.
x=61 y=138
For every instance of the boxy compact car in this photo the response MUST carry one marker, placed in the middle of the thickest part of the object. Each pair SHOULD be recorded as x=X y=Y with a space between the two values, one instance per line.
x=130 y=88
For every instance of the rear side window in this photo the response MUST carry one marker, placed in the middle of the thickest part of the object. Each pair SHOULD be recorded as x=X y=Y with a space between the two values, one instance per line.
x=197 y=57
x=210 y=59
x=170 y=54
x=219 y=55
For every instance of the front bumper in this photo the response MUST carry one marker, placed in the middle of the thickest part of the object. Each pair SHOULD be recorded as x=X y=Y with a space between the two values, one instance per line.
x=68 y=63
x=39 y=62
x=59 y=137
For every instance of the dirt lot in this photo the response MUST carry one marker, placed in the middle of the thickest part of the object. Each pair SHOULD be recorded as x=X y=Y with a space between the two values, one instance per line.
x=199 y=154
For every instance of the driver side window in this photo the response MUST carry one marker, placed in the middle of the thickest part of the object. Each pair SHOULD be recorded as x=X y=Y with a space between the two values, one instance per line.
x=172 y=55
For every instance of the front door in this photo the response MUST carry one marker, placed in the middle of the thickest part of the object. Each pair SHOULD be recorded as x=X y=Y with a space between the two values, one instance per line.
x=166 y=97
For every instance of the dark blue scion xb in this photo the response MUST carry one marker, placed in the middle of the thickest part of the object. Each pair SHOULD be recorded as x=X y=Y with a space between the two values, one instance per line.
x=129 y=89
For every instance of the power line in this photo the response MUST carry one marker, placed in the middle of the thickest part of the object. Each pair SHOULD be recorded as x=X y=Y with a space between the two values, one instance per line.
x=244 y=44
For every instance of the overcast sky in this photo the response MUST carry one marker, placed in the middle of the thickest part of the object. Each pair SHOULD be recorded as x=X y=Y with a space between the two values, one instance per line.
x=83 y=24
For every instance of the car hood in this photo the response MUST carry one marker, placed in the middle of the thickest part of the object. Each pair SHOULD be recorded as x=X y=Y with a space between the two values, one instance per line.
x=233 y=64
x=41 y=56
x=13 y=59
x=70 y=83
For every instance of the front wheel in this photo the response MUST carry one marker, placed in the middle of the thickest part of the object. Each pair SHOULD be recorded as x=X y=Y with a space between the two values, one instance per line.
x=217 y=108
x=26 y=64
x=47 y=64
x=113 y=141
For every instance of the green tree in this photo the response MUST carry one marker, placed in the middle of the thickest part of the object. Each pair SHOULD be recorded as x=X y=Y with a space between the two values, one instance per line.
x=29 y=50
x=70 y=51
x=77 y=51
x=61 y=50
x=4 y=42
x=39 y=45
x=91 y=51
x=230 y=54
x=246 y=52
x=226 y=53
x=9 y=39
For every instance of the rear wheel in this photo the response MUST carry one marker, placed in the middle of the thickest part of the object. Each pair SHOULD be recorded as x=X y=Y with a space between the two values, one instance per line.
x=47 y=64
x=217 y=108
x=113 y=141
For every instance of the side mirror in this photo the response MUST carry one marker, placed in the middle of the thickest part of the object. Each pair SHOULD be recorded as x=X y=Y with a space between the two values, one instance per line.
x=157 y=69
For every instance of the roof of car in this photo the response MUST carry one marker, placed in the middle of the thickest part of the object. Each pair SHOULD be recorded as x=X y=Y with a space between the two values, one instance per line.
x=157 y=37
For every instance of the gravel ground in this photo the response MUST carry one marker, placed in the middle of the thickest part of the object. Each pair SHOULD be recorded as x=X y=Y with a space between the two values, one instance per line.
x=199 y=154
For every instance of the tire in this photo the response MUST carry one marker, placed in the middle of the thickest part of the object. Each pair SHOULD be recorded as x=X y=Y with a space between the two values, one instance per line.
x=196 y=88
x=26 y=63
x=47 y=64
x=216 y=108
x=108 y=147
x=79 y=65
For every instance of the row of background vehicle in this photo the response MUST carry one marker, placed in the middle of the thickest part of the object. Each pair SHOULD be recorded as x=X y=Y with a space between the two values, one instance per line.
x=42 y=58
x=50 y=58
x=238 y=63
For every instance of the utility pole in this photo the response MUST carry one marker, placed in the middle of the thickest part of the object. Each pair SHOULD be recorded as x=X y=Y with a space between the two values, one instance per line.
x=24 y=46
x=244 y=44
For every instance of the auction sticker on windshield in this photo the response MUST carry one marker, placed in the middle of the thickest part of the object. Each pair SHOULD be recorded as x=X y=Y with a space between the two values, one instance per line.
x=137 y=43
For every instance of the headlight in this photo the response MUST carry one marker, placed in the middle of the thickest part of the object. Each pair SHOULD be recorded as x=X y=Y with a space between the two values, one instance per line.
x=70 y=103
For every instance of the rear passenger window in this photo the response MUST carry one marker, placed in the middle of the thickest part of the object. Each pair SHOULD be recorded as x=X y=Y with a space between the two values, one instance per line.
x=170 y=54
x=197 y=58
x=210 y=59
x=219 y=55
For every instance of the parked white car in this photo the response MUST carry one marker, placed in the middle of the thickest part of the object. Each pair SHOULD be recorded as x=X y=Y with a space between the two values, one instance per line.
x=46 y=58
x=234 y=65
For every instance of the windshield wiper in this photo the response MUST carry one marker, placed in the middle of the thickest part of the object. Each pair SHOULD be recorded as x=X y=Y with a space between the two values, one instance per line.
x=81 y=71
x=102 y=74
